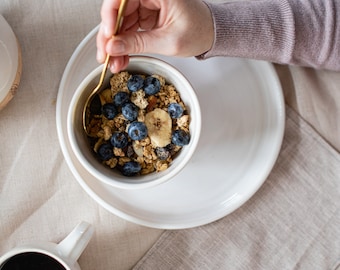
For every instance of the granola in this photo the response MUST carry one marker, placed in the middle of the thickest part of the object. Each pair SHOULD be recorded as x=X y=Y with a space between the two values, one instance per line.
x=134 y=131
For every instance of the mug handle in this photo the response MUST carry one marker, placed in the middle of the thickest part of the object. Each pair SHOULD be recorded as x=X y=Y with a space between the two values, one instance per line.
x=75 y=243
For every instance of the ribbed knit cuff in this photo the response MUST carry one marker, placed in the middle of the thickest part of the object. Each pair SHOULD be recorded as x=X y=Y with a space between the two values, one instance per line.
x=253 y=29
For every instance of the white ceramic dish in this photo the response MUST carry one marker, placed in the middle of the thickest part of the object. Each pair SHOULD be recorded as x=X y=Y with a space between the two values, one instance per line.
x=79 y=141
x=243 y=120
x=10 y=63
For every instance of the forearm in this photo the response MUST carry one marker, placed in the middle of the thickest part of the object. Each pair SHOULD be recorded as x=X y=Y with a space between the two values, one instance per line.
x=281 y=31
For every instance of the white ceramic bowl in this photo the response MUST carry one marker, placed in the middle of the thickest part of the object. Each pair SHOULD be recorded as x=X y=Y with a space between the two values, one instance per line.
x=79 y=141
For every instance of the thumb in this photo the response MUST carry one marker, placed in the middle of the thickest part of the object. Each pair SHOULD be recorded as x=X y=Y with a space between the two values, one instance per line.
x=137 y=43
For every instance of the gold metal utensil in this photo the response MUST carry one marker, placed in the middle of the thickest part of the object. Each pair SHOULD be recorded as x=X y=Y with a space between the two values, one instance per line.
x=119 y=22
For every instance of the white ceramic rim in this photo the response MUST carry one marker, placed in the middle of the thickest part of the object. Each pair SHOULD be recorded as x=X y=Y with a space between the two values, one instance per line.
x=26 y=249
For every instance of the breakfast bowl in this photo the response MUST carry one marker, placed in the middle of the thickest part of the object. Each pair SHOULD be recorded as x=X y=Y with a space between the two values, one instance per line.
x=158 y=159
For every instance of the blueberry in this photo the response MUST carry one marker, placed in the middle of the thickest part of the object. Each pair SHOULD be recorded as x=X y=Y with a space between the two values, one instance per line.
x=171 y=148
x=109 y=110
x=121 y=98
x=131 y=168
x=119 y=139
x=162 y=153
x=137 y=131
x=130 y=111
x=180 y=137
x=135 y=83
x=151 y=85
x=175 y=110
x=105 y=151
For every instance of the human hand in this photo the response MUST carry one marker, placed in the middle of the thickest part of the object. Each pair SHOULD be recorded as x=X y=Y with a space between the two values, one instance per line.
x=168 y=27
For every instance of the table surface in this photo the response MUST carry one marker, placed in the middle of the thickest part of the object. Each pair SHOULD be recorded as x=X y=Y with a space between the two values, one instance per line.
x=41 y=200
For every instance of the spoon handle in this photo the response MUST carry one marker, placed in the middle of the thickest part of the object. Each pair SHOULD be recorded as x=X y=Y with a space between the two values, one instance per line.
x=118 y=25
x=120 y=16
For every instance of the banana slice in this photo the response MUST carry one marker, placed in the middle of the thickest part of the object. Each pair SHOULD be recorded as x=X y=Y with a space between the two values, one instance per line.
x=159 y=126
x=105 y=96
x=138 y=148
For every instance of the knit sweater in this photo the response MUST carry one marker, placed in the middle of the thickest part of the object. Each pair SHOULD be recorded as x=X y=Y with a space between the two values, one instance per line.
x=297 y=32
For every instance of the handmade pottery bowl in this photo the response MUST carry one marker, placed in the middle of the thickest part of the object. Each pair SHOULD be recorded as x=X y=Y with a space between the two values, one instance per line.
x=79 y=140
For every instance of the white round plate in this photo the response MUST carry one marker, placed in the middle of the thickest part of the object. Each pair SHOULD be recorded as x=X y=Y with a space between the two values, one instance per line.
x=9 y=63
x=243 y=118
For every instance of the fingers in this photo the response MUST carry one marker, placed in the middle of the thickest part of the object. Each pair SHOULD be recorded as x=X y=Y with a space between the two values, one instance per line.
x=156 y=26
x=117 y=46
x=157 y=41
x=109 y=15
x=128 y=43
x=147 y=18
x=101 y=44
x=119 y=63
x=109 y=12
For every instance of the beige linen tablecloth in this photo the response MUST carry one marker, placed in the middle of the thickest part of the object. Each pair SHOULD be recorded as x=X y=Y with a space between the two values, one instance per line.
x=39 y=197
x=292 y=222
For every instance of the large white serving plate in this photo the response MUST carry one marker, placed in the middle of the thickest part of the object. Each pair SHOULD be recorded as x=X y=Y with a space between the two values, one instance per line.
x=243 y=118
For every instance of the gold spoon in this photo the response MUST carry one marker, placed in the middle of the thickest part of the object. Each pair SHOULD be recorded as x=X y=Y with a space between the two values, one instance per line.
x=119 y=22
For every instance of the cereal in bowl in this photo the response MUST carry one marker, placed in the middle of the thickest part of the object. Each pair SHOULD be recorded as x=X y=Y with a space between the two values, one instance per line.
x=138 y=124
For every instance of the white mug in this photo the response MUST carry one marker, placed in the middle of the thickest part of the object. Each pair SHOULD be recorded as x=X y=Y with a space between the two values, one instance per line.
x=47 y=255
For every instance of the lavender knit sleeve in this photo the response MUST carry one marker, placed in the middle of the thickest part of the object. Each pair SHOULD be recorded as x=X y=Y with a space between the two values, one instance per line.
x=298 y=32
